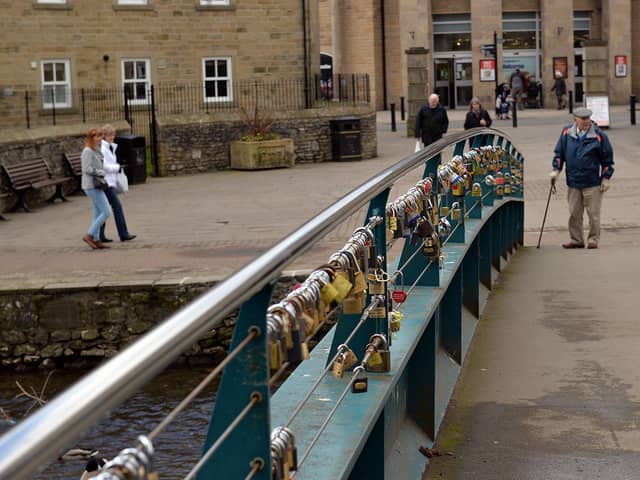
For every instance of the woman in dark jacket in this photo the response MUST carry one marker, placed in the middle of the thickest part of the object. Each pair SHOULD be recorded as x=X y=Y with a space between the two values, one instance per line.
x=476 y=116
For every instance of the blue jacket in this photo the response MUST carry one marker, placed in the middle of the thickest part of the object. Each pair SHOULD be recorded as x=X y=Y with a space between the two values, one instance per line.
x=588 y=159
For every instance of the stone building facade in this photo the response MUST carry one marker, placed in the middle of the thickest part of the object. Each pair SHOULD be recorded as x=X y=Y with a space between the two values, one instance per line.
x=94 y=43
x=537 y=36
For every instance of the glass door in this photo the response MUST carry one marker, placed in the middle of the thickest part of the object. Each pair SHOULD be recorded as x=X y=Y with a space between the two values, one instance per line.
x=464 y=82
x=578 y=76
x=443 y=68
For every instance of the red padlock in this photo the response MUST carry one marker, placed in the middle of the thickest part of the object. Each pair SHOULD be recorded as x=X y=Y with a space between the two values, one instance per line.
x=399 y=296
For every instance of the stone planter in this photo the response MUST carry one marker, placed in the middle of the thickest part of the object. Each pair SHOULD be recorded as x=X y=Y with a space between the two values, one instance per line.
x=276 y=153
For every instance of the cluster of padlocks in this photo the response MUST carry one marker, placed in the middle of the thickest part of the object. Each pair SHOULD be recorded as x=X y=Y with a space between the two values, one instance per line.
x=131 y=463
x=284 y=454
x=339 y=282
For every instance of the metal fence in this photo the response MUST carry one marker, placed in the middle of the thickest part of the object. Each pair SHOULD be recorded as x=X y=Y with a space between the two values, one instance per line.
x=60 y=106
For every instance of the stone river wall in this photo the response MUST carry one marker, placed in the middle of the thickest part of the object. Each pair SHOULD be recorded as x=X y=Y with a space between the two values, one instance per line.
x=81 y=326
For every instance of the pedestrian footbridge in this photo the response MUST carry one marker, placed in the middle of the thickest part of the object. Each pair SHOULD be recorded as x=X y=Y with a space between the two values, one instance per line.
x=407 y=292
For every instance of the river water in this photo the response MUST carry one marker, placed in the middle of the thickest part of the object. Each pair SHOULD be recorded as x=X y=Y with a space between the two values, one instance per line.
x=178 y=447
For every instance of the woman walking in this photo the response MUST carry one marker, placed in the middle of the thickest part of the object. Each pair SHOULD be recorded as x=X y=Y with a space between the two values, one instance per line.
x=112 y=167
x=94 y=185
x=476 y=116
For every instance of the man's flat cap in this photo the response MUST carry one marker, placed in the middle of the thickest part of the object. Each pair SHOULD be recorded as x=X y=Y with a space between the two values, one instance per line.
x=582 y=112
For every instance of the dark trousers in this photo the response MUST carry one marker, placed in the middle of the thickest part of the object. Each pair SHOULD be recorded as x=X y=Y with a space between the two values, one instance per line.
x=118 y=214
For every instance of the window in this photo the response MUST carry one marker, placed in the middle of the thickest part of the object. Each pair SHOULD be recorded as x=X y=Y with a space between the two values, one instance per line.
x=136 y=80
x=452 y=32
x=52 y=1
x=214 y=2
x=132 y=2
x=520 y=30
x=581 y=28
x=56 y=84
x=217 y=79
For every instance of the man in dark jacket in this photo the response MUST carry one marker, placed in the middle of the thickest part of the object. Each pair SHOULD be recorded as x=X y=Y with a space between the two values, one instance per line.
x=432 y=121
x=588 y=156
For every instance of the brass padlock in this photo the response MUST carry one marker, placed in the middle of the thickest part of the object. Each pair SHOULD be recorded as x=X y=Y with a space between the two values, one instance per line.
x=476 y=190
x=360 y=382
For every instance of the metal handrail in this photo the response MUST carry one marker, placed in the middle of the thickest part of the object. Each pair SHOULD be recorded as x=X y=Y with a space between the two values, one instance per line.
x=42 y=436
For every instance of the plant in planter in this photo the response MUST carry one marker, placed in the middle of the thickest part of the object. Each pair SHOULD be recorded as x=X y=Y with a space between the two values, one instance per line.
x=260 y=149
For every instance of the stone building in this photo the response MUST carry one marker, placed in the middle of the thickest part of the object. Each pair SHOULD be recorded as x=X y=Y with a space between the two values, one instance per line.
x=63 y=45
x=594 y=43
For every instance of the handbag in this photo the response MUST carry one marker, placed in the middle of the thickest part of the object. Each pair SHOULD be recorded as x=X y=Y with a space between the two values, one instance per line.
x=122 y=182
x=100 y=183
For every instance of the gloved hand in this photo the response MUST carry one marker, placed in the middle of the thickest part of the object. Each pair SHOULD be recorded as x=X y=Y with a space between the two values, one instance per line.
x=604 y=185
x=418 y=146
x=553 y=176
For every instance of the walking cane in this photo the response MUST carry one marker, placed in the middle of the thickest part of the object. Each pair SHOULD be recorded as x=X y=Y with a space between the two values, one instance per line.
x=552 y=190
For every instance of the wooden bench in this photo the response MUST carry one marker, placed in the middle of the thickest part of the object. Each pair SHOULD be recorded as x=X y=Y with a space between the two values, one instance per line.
x=74 y=162
x=33 y=174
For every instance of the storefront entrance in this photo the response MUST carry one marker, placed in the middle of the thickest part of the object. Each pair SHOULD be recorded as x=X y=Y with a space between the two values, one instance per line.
x=454 y=81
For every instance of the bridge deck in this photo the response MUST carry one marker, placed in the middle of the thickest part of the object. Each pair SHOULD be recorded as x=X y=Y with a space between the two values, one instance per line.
x=551 y=386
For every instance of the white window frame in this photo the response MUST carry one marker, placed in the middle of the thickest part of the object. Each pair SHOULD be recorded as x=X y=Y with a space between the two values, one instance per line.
x=46 y=103
x=132 y=2
x=146 y=81
x=58 y=2
x=214 y=2
x=228 y=78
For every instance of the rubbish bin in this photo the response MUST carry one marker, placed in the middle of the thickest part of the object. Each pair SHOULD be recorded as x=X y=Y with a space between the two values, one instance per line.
x=345 y=139
x=132 y=154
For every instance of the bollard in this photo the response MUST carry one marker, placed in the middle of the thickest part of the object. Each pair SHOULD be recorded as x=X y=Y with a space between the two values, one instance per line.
x=393 y=116
x=402 y=108
x=570 y=101
x=514 y=115
x=632 y=111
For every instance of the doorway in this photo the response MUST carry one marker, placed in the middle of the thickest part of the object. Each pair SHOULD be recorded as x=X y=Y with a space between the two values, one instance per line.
x=454 y=81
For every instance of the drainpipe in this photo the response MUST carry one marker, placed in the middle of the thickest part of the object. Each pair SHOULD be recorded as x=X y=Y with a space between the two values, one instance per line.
x=384 y=57
x=306 y=55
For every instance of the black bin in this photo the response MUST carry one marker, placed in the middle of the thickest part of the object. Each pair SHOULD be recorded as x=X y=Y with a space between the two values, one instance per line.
x=345 y=139
x=132 y=154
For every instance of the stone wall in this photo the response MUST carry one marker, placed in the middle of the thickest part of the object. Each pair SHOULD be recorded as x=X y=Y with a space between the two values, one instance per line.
x=185 y=144
x=82 y=326
x=190 y=144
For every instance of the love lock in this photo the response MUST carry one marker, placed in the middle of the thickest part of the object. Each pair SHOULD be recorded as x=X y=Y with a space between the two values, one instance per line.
x=455 y=211
x=476 y=190
x=379 y=356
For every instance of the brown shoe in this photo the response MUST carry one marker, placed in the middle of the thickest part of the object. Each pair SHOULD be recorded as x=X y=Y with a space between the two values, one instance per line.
x=592 y=245
x=101 y=245
x=572 y=245
x=88 y=239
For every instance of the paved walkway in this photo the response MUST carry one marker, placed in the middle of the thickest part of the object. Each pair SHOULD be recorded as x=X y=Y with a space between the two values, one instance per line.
x=209 y=225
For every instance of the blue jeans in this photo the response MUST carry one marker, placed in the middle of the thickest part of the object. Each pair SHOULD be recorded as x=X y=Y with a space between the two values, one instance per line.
x=118 y=214
x=101 y=211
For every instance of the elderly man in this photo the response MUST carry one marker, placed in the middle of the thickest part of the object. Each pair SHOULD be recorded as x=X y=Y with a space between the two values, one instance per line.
x=432 y=121
x=588 y=156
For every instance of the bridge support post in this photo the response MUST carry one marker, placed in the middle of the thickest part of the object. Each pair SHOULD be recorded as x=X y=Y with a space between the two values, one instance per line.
x=421 y=397
x=451 y=318
x=485 y=255
x=232 y=459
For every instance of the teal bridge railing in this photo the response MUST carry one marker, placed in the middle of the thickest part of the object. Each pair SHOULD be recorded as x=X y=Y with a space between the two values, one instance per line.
x=376 y=387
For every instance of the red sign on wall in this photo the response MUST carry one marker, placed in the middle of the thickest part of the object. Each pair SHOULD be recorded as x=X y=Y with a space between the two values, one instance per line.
x=487 y=70
x=621 y=65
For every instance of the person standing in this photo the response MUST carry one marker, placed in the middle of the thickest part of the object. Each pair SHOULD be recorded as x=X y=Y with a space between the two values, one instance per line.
x=560 y=87
x=476 y=116
x=111 y=168
x=432 y=121
x=93 y=184
x=588 y=156
x=517 y=87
